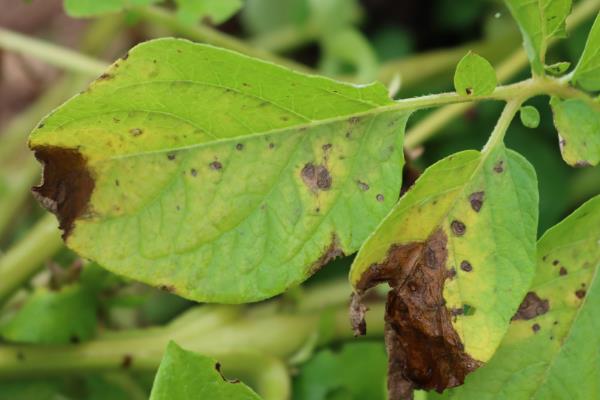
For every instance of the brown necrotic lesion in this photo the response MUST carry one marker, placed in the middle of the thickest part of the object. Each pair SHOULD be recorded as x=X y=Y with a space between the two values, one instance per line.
x=66 y=186
x=424 y=350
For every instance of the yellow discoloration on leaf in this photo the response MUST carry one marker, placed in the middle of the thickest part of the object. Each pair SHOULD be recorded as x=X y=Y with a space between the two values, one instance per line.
x=490 y=243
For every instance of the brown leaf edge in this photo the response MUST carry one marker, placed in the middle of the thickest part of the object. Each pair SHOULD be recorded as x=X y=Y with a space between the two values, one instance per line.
x=424 y=350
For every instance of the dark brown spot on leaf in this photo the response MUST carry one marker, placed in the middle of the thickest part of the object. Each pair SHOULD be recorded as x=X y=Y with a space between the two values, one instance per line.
x=354 y=120
x=193 y=172
x=136 y=132
x=476 y=200
x=167 y=288
x=582 y=164
x=562 y=271
x=380 y=198
x=171 y=156
x=580 y=293
x=326 y=147
x=469 y=90
x=425 y=352
x=531 y=307
x=499 y=167
x=215 y=165
x=316 y=177
x=362 y=185
x=555 y=262
x=105 y=76
x=67 y=184
x=330 y=253
x=458 y=228
x=239 y=146
x=271 y=145
x=466 y=266
x=536 y=328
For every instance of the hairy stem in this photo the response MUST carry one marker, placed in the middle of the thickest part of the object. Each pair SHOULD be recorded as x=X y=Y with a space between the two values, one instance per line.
x=432 y=124
x=509 y=112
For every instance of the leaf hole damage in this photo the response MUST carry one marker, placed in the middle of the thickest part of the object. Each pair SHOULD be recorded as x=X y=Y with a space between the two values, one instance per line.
x=66 y=186
x=316 y=177
x=424 y=350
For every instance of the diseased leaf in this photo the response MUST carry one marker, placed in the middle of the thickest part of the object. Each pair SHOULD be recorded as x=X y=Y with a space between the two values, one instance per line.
x=357 y=371
x=67 y=315
x=578 y=124
x=551 y=348
x=225 y=178
x=587 y=71
x=530 y=116
x=217 y=11
x=539 y=21
x=458 y=251
x=474 y=76
x=184 y=375
x=557 y=69
x=90 y=8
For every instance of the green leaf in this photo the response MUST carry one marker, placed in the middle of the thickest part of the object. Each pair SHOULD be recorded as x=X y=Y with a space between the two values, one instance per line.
x=557 y=69
x=184 y=375
x=357 y=370
x=218 y=11
x=587 y=71
x=217 y=176
x=539 y=21
x=530 y=116
x=578 y=124
x=91 y=8
x=551 y=348
x=459 y=252
x=474 y=76
x=67 y=315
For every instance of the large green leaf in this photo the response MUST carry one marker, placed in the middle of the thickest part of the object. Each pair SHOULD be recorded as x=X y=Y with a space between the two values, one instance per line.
x=578 y=125
x=552 y=349
x=587 y=72
x=539 y=21
x=218 y=176
x=459 y=253
x=184 y=375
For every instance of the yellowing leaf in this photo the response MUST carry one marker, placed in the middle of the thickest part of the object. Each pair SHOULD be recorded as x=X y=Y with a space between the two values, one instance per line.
x=539 y=21
x=458 y=251
x=474 y=76
x=217 y=176
x=578 y=125
x=551 y=348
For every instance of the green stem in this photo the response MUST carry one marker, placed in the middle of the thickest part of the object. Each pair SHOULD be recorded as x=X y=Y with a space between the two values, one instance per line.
x=52 y=54
x=432 y=124
x=203 y=33
x=22 y=261
x=220 y=332
x=497 y=136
